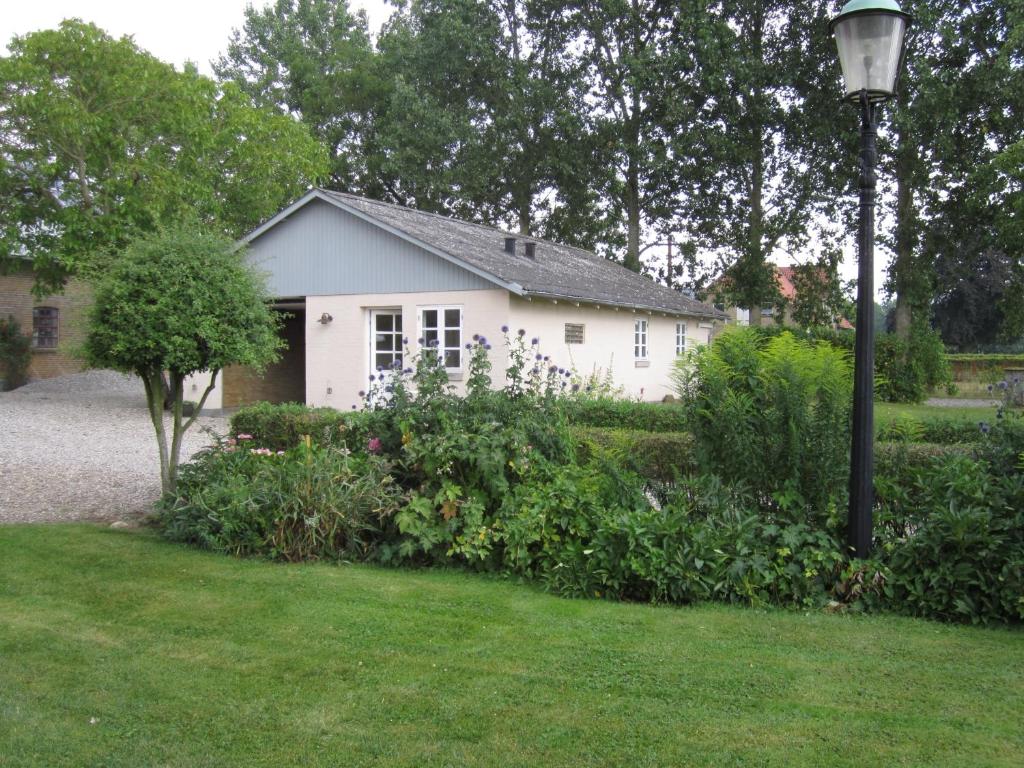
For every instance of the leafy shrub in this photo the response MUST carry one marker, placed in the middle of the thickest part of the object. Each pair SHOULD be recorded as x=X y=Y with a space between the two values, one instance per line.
x=659 y=456
x=905 y=371
x=15 y=353
x=626 y=414
x=308 y=502
x=282 y=426
x=772 y=414
x=957 y=553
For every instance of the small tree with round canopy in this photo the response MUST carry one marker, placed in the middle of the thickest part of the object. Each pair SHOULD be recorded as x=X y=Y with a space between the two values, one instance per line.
x=177 y=302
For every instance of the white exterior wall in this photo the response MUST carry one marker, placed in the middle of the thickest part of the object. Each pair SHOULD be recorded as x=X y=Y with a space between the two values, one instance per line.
x=608 y=342
x=338 y=364
x=197 y=384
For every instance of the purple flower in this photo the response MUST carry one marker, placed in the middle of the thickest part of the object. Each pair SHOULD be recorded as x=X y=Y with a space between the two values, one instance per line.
x=476 y=337
x=353 y=408
x=487 y=346
x=407 y=370
x=538 y=357
x=983 y=427
x=483 y=339
x=504 y=329
x=546 y=358
x=372 y=377
x=561 y=370
x=380 y=368
x=373 y=446
x=535 y=370
x=521 y=333
x=1003 y=385
x=990 y=387
x=535 y=341
x=405 y=340
x=362 y=393
x=468 y=345
x=553 y=369
x=575 y=387
x=420 y=341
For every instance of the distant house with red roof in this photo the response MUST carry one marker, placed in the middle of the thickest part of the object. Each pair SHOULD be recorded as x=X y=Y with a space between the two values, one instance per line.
x=769 y=314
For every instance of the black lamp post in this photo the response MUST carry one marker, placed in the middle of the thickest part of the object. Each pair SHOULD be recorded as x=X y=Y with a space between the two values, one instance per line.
x=870 y=36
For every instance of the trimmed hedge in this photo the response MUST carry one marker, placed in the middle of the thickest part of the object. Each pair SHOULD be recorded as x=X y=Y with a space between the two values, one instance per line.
x=281 y=427
x=627 y=414
x=942 y=431
x=661 y=456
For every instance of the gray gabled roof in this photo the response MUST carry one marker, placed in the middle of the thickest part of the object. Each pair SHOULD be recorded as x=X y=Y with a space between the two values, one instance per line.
x=557 y=271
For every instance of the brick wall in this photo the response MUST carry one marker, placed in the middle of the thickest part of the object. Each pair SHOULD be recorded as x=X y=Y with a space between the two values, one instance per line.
x=283 y=382
x=16 y=299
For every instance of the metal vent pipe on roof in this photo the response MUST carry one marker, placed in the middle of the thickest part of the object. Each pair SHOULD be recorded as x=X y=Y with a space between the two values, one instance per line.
x=510 y=245
x=531 y=250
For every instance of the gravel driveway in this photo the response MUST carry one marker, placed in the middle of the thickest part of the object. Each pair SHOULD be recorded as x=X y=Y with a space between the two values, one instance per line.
x=82 y=447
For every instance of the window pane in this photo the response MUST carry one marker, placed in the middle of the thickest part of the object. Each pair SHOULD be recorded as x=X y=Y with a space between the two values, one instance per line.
x=384 y=322
x=383 y=360
x=430 y=336
x=451 y=358
x=452 y=339
x=384 y=342
x=452 y=318
x=398 y=323
x=430 y=318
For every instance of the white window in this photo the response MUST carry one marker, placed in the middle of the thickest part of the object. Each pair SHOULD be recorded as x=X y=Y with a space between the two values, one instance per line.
x=442 y=329
x=640 y=339
x=574 y=333
x=680 y=338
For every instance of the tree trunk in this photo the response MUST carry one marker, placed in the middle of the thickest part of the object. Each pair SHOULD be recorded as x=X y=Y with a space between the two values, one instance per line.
x=904 y=280
x=155 y=393
x=632 y=201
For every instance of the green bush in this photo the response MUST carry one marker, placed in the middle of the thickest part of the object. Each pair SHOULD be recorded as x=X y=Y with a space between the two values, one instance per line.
x=304 y=503
x=772 y=414
x=957 y=553
x=15 y=353
x=280 y=427
x=626 y=414
x=658 y=456
x=905 y=371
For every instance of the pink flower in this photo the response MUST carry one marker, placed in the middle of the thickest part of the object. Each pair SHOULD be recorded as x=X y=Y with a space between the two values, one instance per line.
x=374 y=445
x=244 y=436
x=261 y=451
x=280 y=453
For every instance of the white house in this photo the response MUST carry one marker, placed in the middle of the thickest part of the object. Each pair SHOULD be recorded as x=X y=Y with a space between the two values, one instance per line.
x=358 y=276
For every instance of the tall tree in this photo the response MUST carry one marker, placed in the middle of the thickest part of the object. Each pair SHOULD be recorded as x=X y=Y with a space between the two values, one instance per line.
x=639 y=78
x=772 y=141
x=100 y=141
x=961 y=109
x=312 y=59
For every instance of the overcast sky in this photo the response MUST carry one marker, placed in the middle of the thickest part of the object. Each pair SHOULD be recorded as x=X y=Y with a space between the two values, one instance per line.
x=179 y=31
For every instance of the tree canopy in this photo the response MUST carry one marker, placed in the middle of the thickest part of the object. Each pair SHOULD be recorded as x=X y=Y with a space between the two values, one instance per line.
x=100 y=141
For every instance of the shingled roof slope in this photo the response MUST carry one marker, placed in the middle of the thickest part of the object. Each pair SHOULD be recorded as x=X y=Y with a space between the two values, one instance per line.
x=557 y=271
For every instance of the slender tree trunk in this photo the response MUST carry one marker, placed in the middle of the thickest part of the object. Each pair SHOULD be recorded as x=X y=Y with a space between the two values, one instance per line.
x=903 y=260
x=154 y=384
x=632 y=201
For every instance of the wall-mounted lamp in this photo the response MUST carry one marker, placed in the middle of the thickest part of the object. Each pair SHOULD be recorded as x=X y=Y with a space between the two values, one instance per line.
x=325 y=318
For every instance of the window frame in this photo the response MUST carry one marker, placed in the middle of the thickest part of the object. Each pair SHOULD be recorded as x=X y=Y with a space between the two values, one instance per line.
x=441 y=329
x=680 y=337
x=641 y=335
x=52 y=319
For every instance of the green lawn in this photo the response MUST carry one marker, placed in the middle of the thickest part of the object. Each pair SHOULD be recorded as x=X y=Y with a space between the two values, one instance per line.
x=118 y=649
x=888 y=412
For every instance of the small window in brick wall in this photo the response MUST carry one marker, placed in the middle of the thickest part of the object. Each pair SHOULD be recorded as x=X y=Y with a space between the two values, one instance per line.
x=44 y=327
x=574 y=333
